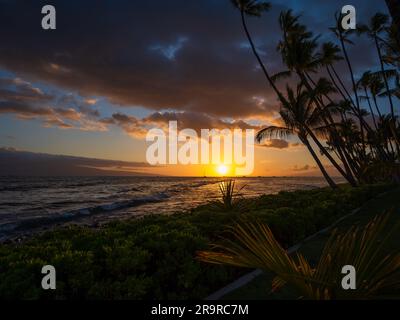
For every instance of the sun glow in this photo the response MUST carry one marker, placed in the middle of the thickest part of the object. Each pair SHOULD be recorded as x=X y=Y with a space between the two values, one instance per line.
x=222 y=170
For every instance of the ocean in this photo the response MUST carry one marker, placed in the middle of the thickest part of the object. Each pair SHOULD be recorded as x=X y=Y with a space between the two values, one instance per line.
x=36 y=203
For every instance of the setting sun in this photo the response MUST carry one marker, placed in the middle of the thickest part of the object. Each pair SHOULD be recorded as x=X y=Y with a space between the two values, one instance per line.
x=222 y=170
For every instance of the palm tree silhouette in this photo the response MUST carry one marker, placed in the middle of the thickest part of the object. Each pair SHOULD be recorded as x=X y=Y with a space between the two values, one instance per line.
x=364 y=83
x=330 y=54
x=377 y=25
x=299 y=52
x=394 y=8
x=299 y=116
x=323 y=108
x=343 y=36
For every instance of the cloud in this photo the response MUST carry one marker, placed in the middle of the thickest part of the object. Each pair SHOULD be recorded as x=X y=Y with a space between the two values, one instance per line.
x=297 y=144
x=21 y=98
x=185 y=120
x=23 y=110
x=8 y=149
x=276 y=143
x=169 y=51
x=176 y=64
x=71 y=112
x=304 y=168
x=21 y=91
x=23 y=163
x=279 y=144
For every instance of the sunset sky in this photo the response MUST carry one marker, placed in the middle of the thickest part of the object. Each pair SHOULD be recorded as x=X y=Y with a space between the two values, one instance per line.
x=114 y=69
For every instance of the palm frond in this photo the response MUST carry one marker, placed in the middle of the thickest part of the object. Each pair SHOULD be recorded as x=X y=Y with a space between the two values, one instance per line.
x=281 y=75
x=273 y=132
x=378 y=273
x=251 y=7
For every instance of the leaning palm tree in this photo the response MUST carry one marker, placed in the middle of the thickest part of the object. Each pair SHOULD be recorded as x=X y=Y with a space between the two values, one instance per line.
x=377 y=273
x=299 y=115
x=298 y=49
x=376 y=26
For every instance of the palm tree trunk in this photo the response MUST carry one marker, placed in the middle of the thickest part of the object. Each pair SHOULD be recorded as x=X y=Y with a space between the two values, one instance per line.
x=387 y=87
x=351 y=168
x=346 y=56
x=376 y=107
x=254 y=49
x=335 y=83
x=370 y=108
x=348 y=177
x=343 y=86
x=321 y=167
x=364 y=123
x=378 y=48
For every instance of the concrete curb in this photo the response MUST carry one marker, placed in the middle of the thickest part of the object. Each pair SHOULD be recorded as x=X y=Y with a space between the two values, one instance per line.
x=247 y=278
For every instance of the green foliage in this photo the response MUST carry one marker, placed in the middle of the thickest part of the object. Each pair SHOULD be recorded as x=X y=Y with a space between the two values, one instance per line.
x=381 y=171
x=378 y=273
x=231 y=198
x=154 y=257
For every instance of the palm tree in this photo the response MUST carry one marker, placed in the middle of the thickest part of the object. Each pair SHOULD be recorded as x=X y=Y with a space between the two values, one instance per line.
x=254 y=8
x=342 y=35
x=385 y=132
x=298 y=115
x=354 y=147
x=298 y=50
x=394 y=8
x=376 y=26
x=330 y=54
x=376 y=86
x=392 y=46
x=364 y=83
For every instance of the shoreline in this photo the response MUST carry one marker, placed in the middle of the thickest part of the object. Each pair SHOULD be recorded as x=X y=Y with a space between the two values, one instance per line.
x=158 y=253
x=100 y=214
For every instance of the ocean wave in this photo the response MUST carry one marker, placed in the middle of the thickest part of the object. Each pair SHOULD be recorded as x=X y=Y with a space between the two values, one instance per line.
x=22 y=188
x=178 y=187
x=31 y=223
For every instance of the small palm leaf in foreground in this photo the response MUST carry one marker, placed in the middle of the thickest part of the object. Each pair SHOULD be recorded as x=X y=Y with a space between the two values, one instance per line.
x=377 y=274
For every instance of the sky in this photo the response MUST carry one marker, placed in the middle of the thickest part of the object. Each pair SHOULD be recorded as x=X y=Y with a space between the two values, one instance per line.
x=112 y=70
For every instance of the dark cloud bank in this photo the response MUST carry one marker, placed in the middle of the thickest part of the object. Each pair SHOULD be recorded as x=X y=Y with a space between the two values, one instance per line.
x=23 y=163
x=183 y=55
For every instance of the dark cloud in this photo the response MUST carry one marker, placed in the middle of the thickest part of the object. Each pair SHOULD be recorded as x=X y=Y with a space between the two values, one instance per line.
x=193 y=120
x=184 y=55
x=22 y=99
x=22 y=163
x=277 y=143
x=86 y=106
x=23 y=109
x=8 y=149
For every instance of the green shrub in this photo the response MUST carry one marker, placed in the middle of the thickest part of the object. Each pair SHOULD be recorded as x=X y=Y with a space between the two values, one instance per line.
x=154 y=257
